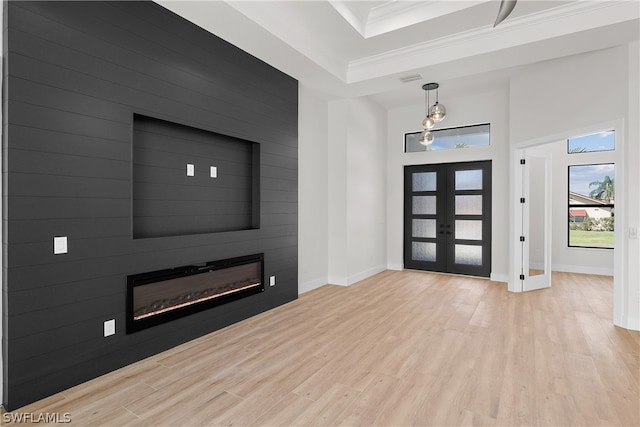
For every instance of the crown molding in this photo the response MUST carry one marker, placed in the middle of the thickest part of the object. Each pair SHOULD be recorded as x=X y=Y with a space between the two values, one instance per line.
x=346 y=12
x=554 y=22
x=395 y=15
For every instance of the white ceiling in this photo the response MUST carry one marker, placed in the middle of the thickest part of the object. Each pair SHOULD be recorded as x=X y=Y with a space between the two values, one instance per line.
x=355 y=48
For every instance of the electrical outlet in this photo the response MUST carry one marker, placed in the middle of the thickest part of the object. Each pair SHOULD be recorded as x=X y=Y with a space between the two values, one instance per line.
x=191 y=170
x=633 y=232
x=272 y=281
x=213 y=172
x=60 y=245
x=109 y=327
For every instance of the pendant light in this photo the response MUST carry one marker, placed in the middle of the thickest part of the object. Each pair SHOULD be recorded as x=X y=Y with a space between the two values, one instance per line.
x=433 y=114
x=437 y=111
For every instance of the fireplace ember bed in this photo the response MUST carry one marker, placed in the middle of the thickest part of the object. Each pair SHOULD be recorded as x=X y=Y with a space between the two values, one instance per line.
x=161 y=296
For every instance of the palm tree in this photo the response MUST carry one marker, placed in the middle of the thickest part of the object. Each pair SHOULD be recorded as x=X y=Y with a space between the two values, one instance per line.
x=577 y=150
x=605 y=189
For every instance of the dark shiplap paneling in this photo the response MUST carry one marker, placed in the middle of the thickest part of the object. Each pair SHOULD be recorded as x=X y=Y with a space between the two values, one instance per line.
x=75 y=75
x=167 y=202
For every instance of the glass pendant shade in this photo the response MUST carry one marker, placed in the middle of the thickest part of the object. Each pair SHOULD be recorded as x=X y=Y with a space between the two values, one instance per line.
x=426 y=137
x=437 y=112
x=428 y=123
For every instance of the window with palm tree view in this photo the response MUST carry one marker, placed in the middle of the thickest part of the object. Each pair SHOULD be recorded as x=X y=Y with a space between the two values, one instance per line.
x=591 y=205
x=591 y=191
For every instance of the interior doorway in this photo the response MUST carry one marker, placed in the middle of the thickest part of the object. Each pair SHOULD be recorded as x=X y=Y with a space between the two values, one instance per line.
x=620 y=288
x=447 y=218
x=535 y=216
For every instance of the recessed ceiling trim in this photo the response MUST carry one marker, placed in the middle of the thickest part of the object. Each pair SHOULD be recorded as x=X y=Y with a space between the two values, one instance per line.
x=554 y=22
x=349 y=16
x=394 y=15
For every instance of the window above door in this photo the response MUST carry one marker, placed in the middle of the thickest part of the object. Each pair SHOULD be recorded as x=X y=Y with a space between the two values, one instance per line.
x=449 y=139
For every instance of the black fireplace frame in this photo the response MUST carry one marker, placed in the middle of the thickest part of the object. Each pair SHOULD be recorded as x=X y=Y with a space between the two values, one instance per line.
x=140 y=279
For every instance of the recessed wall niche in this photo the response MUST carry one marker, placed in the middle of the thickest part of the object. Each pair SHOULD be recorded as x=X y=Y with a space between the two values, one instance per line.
x=191 y=181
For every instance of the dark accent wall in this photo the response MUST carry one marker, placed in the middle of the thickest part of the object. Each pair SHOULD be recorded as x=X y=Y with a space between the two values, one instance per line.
x=75 y=74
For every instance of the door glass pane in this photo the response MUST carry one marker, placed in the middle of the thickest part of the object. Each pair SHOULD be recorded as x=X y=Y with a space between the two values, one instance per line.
x=423 y=251
x=424 y=181
x=468 y=255
x=469 y=180
x=424 y=205
x=468 y=205
x=424 y=228
x=468 y=230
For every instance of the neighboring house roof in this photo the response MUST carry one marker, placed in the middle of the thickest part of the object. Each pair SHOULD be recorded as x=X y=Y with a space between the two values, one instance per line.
x=598 y=212
x=578 y=198
x=590 y=212
x=578 y=212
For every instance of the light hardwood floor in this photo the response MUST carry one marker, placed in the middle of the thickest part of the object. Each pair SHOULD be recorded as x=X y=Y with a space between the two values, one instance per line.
x=400 y=348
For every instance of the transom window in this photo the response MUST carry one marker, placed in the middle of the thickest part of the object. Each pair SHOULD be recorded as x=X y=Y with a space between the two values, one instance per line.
x=602 y=141
x=449 y=139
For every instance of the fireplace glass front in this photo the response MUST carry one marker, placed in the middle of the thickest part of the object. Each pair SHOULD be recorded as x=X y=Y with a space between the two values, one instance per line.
x=160 y=296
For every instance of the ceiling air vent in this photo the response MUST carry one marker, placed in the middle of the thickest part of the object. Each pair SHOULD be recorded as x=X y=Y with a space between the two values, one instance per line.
x=412 y=78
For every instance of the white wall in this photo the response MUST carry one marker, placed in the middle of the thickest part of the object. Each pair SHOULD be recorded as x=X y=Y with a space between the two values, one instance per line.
x=553 y=100
x=564 y=258
x=337 y=191
x=559 y=96
x=631 y=262
x=490 y=107
x=366 y=190
x=356 y=235
x=313 y=249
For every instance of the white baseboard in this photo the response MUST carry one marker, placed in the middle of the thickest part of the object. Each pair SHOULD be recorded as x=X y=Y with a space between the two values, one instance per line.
x=338 y=280
x=396 y=267
x=499 y=277
x=367 y=273
x=631 y=323
x=354 y=278
x=600 y=271
x=310 y=285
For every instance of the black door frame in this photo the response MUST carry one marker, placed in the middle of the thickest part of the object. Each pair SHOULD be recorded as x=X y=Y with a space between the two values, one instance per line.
x=445 y=218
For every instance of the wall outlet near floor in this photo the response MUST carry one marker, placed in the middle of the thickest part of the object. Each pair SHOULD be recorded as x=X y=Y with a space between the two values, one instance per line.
x=191 y=170
x=272 y=281
x=109 y=327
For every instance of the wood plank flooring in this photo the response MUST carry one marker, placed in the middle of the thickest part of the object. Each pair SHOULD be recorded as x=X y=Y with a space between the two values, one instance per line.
x=399 y=348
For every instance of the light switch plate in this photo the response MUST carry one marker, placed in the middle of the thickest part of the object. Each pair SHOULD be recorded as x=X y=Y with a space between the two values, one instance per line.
x=191 y=170
x=60 y=245
x=213 y=172
x=109 y=327
x=272 y=281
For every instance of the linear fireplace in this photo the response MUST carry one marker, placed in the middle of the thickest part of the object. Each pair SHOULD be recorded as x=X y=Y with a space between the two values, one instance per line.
x=160 y=296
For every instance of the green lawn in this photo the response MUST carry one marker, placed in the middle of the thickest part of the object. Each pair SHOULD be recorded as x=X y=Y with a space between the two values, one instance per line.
x=598 y=239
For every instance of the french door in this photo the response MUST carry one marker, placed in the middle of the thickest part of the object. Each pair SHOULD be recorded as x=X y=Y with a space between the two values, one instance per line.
x=447 y=218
